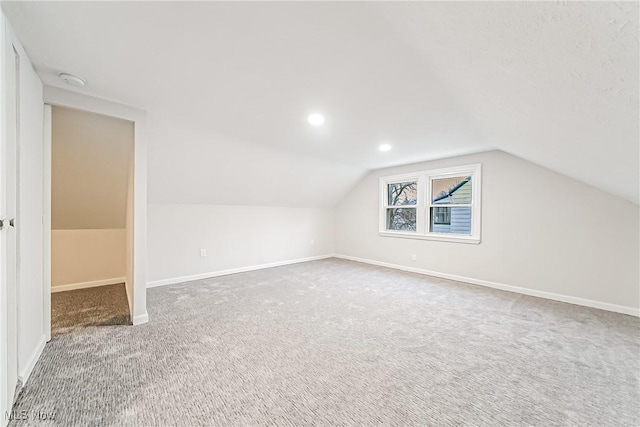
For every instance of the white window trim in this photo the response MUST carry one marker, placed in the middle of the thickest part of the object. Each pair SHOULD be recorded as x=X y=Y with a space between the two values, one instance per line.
x=424 y=179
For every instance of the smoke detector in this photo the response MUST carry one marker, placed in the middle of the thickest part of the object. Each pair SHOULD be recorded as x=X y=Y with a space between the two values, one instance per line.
x=72 y=80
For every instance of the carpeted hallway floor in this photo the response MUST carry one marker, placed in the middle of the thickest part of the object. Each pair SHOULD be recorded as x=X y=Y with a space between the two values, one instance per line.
x=334 y=342
x=81 y=308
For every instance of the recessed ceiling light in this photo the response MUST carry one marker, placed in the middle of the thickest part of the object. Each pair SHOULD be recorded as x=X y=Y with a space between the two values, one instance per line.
x=316 y=119
x=72 y=80
x=384 y=147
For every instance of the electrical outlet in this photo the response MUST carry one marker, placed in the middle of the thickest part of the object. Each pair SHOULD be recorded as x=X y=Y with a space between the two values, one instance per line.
x=203 y=253
x=414 y=257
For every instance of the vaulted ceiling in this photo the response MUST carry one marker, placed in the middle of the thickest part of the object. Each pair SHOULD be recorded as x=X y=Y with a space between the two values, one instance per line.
x=554 y=83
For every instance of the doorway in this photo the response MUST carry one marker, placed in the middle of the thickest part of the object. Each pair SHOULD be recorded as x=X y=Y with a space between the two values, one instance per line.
x=25 y=198
x=91 y=217
x=136 y=238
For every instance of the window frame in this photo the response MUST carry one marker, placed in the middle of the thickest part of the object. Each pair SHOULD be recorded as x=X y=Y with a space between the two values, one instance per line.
x=423 y=211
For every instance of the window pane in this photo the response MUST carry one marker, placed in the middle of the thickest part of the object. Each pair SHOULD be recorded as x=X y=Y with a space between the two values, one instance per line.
x=451 y=190
x=441 y=215
x=401 y=219
x=403 y=193
x=459 y=220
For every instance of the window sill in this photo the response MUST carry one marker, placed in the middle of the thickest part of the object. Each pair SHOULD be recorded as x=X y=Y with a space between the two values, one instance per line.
x=438 y=238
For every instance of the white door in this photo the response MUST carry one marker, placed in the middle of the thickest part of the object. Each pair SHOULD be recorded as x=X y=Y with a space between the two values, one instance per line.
x=8 y=233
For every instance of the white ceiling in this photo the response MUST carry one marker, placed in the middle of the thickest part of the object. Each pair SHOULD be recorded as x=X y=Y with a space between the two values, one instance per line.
x=554 y=83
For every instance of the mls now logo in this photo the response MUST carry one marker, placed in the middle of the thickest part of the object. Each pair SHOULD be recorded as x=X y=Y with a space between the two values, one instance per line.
x=16 y=415
x=24 y=415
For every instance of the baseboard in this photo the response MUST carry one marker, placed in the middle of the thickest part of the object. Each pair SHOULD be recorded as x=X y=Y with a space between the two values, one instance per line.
x=191 y=278
x=140 y=319
x=24 y=374
x=92 y=284
x=517 y=289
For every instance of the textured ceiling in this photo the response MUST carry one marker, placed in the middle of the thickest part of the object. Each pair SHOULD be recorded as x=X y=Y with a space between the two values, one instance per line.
x=554 y=83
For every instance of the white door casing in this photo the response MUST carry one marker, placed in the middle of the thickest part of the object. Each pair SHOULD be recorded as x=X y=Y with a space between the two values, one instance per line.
x=46 y=221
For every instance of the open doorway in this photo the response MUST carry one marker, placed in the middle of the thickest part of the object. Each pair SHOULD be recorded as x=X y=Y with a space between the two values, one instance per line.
x=136 y=277
x=91 y=218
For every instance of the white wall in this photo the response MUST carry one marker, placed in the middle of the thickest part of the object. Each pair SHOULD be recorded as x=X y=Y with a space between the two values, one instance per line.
x=247 y=204
x=30 y=235
x=81 y=256
x=129 y=238
x=540 y=230
x=234 y=237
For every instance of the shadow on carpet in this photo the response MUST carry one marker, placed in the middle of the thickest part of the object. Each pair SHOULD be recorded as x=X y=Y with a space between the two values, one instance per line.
x=81 y=308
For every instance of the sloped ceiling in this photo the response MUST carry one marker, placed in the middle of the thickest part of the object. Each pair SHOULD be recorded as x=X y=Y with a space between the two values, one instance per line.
x=554 y=83
x=89 y=170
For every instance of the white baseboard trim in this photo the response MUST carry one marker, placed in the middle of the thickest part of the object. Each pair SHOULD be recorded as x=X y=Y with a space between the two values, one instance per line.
x=191 y=278
x=525 y=291
x=140 y=319
x=92 y=284
x=24 y=374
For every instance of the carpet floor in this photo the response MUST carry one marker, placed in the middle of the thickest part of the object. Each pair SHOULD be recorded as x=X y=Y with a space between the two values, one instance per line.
x=81 y=308
x=335 y=342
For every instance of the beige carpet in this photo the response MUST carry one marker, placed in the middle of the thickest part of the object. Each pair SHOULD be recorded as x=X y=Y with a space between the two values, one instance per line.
x=335 y=342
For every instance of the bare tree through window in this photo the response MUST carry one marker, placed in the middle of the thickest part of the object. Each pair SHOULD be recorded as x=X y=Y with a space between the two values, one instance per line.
x=402 y=194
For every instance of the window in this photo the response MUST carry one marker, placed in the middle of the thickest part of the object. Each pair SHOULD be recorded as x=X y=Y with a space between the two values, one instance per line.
x=441 y=204
x=402 y=200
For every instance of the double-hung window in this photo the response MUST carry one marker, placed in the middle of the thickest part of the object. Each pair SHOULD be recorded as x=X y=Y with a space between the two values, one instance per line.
x=442 y=204
x=401 y=202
